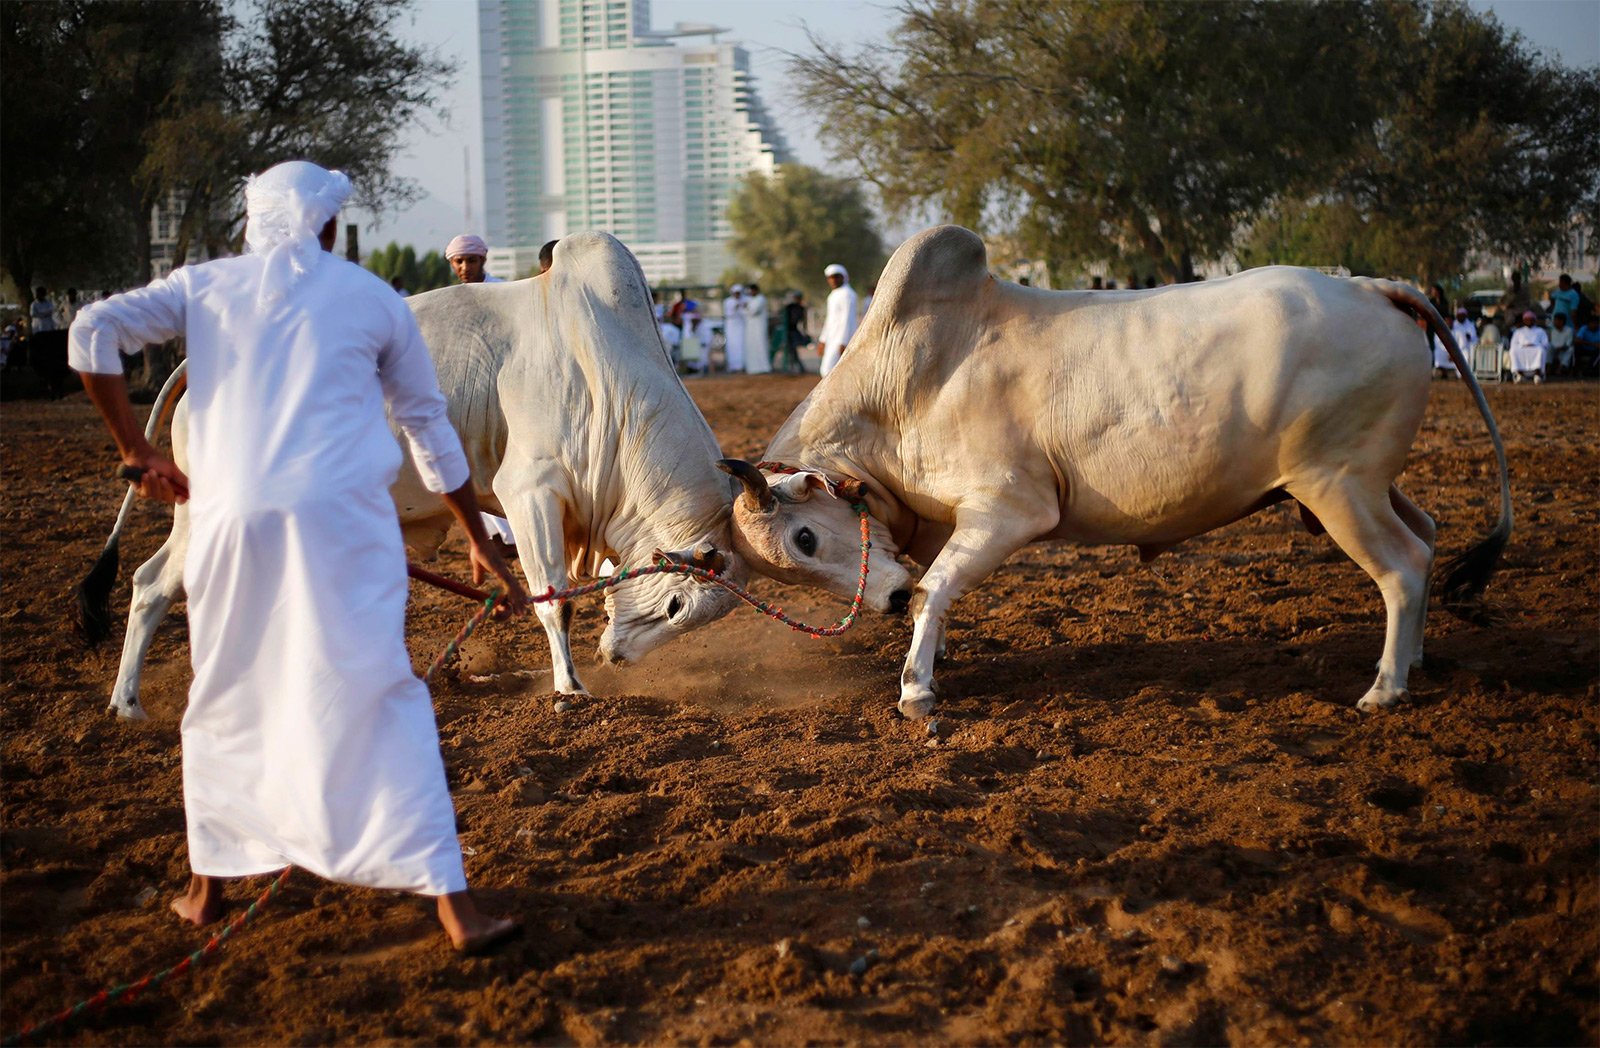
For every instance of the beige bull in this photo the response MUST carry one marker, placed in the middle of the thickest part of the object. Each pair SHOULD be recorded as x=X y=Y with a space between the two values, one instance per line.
x=577 y=430
x=976 y=416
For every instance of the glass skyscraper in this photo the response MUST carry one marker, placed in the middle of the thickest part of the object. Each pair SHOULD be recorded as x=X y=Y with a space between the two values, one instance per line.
x=594 y=120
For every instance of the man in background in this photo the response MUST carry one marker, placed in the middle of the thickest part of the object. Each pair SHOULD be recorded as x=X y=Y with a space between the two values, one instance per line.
x=757 y=340
x=467 y=255
x=840 y=322
x=733 y=321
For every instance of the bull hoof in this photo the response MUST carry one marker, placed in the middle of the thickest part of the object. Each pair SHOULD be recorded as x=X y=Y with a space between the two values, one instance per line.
x=916 y=703
x=1381 y=699
x=134 y=712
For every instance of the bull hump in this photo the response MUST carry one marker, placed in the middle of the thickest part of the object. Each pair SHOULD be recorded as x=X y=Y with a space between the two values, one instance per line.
x=938 y=264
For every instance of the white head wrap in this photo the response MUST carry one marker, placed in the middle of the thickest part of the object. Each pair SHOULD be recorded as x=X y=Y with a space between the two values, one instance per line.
x=836 y=270
x=287 y=207
x=465 y=244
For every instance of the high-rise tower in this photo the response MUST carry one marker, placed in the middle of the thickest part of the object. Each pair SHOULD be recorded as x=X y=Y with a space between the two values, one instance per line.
x=594 y=120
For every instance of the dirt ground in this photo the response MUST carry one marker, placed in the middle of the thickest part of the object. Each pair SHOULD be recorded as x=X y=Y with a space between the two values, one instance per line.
x=1149 y=813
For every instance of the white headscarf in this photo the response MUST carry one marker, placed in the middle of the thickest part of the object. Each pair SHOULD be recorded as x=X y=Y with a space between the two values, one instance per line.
x=287 y=207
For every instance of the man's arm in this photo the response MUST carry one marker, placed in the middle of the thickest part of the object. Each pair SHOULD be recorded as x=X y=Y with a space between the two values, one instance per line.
x=486 y=559
x=160 y=478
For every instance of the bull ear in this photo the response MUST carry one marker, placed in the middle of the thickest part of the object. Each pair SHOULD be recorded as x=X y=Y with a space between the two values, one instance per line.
x=757 y=495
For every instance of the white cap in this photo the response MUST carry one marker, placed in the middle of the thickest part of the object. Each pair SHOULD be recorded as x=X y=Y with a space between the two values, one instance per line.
x=836 y=270
x=735 y=289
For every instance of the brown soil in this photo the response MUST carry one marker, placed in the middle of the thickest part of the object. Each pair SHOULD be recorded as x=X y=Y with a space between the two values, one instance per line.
x=1150 y=813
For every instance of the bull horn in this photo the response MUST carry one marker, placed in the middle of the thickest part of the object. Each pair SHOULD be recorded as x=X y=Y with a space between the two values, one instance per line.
x=757 y=495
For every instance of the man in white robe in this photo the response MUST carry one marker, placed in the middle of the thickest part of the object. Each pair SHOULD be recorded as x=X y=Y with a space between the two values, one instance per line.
x=1466 y=334
x=840 y=323
x=307 y=740
x=757 y=348
x=1528 y=350
x=733 y=318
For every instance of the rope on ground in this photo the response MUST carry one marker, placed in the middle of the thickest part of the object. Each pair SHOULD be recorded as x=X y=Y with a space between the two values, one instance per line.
x=124 y=993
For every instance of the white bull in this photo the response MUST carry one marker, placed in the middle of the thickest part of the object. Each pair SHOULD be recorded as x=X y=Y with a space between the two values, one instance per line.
x=977 y=416
x=577 y=430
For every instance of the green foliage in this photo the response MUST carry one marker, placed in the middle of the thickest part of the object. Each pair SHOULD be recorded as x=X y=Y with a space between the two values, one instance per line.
x=787 y=228
x=1386 y=135
x=430 y=271
x=122 y=103
x=84 y=87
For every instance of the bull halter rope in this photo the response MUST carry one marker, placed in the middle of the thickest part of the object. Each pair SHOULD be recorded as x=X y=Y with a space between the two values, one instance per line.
x=123 y=993
x=664 y=565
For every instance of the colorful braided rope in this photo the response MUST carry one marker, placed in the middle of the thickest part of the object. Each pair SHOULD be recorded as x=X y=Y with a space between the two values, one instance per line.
x=126 y=992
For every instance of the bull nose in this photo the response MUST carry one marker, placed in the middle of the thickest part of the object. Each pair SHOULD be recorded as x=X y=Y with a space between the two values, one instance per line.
x=899 y=601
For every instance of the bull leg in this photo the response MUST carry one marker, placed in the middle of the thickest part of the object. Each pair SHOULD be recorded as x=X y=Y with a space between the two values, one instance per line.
x=1422 y=526
x=536 y=521
x=978 y=546
x=1367 y=527
x=157 y=583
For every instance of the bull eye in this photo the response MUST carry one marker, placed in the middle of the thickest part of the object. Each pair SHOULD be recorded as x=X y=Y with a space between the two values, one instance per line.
x=806 y=542
x=673 y=607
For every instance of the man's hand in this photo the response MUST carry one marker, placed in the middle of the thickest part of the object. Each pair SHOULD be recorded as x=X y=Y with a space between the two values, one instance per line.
x=486 y=560
x=159 y=477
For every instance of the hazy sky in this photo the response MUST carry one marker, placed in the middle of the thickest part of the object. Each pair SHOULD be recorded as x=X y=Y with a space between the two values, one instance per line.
x=1568 y=30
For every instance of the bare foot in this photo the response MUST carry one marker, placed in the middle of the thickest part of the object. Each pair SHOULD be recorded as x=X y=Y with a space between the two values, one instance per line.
x=471 y=930
x=202 y=903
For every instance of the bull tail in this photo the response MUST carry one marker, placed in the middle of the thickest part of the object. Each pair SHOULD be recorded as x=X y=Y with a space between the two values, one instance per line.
x=1462 y=579
x=94 y=592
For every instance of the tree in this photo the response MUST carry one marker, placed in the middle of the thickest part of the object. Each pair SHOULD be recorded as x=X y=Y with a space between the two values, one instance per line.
x=1103 y=130
x=424 y=274
x=326 y=80
x=85 y=85
x=1484 y=149
x=111 y=106
x=1100 y=130
x=789 y=227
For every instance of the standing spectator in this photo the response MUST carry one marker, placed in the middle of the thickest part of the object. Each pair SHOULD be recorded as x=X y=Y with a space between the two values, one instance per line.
x=1466 y=335
x=466 y=255
x=1564 y=299
x=1586 y=346
x=308 y=739
x=1529 y=348
x=840 y=323
x=1560 y=345
x=692 y=349
x=399 y=287
x=866 y=303
x=794 y=333
x=1515 y=299
x=757 y=346
x=69 y=309
x=41 y=312
x=733 y=328
x=1585 y=307
x=8 y=336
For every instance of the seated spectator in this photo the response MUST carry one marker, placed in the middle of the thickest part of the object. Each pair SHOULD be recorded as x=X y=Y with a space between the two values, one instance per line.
x=1466 y=336
x=1560 y=345
x=1586 y=347
x=1529 y=348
